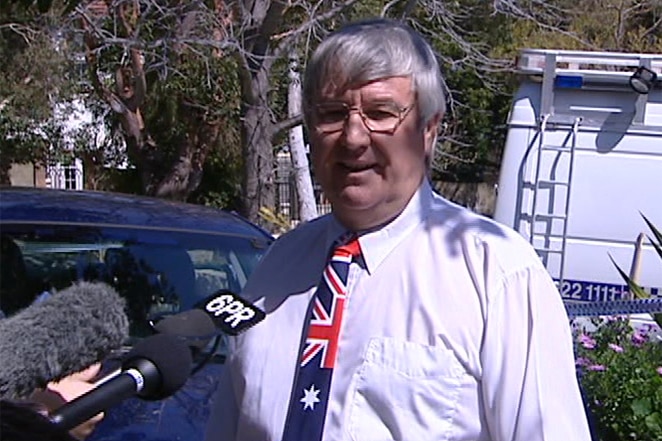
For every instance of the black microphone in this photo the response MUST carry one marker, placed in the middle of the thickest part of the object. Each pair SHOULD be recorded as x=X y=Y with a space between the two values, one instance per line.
x=154 y=369
x=193 y=326
x=209 y=320
x=218 y=314
x=61 y=335
x=224 y=312
x=25 y=421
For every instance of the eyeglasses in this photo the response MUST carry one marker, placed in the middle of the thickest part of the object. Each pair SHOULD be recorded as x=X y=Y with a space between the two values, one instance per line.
x=377 y=117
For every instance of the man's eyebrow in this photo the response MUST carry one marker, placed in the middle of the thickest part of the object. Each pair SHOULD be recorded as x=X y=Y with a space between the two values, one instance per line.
x=382 y=101
x=367 y=101
x=386 y=102
x=332 y=102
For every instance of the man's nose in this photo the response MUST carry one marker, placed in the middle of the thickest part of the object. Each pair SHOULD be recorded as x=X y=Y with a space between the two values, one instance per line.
x=355 y=133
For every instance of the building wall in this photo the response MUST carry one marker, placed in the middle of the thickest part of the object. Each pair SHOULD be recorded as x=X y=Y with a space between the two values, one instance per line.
x=27 y=175
x=68 y=177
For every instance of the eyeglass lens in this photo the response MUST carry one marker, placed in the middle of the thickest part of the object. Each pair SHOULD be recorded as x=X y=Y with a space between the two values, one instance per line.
x=377 y=117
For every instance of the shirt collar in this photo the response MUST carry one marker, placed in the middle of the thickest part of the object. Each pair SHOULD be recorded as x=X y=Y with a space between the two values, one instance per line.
x=377 y=244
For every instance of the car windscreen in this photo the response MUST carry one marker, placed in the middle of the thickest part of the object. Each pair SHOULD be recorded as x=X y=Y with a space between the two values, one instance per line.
x=157 y=271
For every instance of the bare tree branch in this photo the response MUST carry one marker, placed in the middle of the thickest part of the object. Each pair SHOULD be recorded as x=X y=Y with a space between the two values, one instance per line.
x=287 y=124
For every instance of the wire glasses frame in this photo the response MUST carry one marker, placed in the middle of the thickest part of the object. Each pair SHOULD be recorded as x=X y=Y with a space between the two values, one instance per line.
x=377 y=118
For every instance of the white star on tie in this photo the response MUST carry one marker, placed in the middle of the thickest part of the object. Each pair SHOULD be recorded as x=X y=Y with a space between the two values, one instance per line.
x=310 y=397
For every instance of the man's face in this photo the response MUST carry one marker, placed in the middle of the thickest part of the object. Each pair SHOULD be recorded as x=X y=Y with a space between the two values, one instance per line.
x=370 y=177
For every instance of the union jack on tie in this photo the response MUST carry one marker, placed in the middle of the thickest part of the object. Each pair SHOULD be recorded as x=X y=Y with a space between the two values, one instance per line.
x=308 y=403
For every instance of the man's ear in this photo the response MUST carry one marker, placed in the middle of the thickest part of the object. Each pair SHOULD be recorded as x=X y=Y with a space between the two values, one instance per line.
x=430 y=134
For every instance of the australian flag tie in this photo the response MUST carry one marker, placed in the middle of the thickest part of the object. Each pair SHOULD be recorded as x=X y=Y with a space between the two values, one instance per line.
x=307 y=410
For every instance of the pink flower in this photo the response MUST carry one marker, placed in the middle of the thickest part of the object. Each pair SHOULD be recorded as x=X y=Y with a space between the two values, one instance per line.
x=582 y=361
x=659 y=370
x=597 y=367
x=587 y=341
x=615 y=348
x=639 y=338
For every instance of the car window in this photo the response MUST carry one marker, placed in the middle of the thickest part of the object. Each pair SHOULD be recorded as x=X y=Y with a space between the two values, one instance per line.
x=158 y=271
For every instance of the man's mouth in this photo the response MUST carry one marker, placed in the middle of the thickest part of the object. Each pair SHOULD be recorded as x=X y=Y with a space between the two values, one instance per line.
x=355 y=168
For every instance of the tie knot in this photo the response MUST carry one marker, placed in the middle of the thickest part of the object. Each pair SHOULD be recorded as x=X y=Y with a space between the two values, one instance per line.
x=349 y=249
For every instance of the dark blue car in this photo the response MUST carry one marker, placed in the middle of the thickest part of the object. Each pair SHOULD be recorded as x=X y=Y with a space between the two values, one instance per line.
x=162 y=257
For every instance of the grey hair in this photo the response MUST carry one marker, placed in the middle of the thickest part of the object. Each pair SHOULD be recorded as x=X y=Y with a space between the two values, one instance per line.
x=373 y=49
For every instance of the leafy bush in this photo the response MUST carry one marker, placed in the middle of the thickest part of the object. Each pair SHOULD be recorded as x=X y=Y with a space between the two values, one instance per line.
x=636 y=290
x=620 y=370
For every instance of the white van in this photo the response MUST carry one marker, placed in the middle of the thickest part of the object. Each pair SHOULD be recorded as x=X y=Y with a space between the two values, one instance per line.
x=582 y=163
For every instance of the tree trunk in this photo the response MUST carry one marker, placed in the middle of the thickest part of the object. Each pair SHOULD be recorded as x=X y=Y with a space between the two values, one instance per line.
x=257 y=131
x=185 y=174
x=303 y=182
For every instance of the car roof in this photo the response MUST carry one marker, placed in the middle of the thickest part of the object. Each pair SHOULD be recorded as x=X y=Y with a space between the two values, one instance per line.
x=30 y=204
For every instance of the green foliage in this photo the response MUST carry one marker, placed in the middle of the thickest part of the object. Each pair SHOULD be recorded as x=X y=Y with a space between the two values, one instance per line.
x=220 y=186
x=42 y=6
x=472 y=52
x=620 y=370
x=34 y=75
x=35 y=69
x=581 y=26
x=22 y=143
x=278 y=223
x=198 y=90
x=634 y=288
x=636 y=24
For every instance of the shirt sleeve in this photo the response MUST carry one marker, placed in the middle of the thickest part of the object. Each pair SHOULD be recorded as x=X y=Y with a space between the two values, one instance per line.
x=529 y=383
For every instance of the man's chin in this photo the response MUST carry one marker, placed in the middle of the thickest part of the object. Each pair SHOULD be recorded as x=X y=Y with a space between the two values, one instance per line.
x=354 y=208
x=355 y=198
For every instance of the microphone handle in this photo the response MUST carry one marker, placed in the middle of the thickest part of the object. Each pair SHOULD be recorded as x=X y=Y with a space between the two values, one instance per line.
x=140 y=377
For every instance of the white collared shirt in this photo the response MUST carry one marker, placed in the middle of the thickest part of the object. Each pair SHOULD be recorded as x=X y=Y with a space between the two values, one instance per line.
x=453 y=331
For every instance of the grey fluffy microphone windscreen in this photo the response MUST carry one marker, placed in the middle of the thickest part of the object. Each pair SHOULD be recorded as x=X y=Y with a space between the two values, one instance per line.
x=61 y=335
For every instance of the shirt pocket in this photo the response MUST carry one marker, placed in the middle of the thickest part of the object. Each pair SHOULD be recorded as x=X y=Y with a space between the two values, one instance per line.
x=405 y=391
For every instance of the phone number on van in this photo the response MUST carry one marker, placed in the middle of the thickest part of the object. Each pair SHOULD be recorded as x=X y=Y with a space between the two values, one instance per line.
x=597 y=292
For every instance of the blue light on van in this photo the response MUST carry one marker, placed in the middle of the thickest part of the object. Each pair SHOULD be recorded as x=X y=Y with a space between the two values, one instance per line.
x=569 y=81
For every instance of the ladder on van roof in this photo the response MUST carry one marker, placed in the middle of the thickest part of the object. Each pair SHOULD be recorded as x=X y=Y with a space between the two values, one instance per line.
x=569 y=69
x=556 y=212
